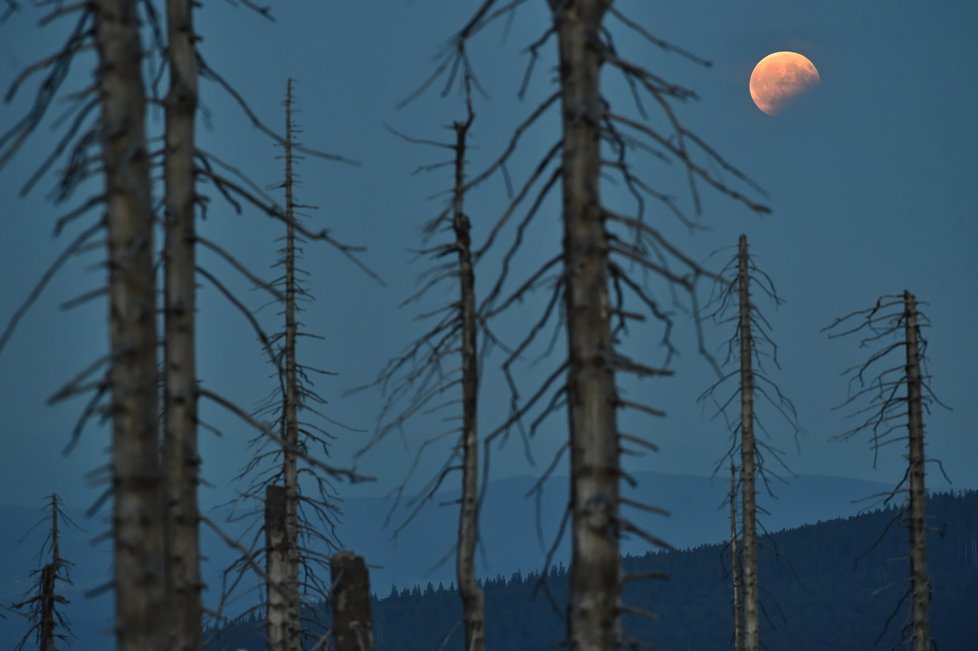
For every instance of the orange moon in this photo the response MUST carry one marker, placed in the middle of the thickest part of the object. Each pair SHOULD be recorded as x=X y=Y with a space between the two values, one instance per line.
x=779 y=78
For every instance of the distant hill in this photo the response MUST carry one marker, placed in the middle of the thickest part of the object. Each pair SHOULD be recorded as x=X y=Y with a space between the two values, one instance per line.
x=509 y=537
x=815 y=594
x=510 y=541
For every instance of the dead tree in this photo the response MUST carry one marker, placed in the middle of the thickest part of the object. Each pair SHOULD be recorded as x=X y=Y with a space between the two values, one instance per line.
x=48 y=623
x=416 y=380
x=277 y=566
x=750 y=344
x=735 y=580
x=103 y=135
x=748 y=450
x=473 y=603
x=352 y=623
x=290 y=409
x=113 y=146
x=283 y=462
x=137 y=479
x=888 y=403
x=589 y=279
x=180 y=457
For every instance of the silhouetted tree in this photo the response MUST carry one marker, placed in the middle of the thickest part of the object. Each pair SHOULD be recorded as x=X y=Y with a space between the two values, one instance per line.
x=282 y=456
x=888 y=403
x=48 y=623
x=415 y=381
x=752 y=343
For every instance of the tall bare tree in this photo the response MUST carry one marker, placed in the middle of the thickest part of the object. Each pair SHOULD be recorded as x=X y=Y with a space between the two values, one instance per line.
x=473 y=602
x=589 y=280
x=888 y=403
x=180 y=456
x=595 y=574
x=48 y=623
x=138 y=508
x=416 y=380
x=155 y=519
x=748 y=450
x=750 y=344
x=290 y=408
x=297 y=551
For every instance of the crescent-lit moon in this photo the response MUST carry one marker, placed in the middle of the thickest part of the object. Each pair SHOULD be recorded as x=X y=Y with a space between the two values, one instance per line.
x=779 y=78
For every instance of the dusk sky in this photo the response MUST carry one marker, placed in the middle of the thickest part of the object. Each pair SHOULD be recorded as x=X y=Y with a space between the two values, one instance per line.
x=871 y=177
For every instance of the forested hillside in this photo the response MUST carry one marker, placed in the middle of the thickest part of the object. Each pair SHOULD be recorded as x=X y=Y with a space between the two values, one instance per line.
x=818 y=595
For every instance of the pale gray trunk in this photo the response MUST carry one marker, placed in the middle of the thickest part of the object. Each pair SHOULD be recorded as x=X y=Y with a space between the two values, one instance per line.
x=291 y=407
x=473 y=605
x=180 y=456
x=276 y=567
x=747 y=454
x=593 y=611
x=137 y=499
x=352 y=622
x=738 y=632
x=920 y=581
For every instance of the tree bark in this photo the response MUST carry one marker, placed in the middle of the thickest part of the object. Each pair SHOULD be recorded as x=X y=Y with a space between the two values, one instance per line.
x=138 y=499
x=920 y=581
x=593 y=611
x=180 y=456
x=473 y=605
x=738 y=632
x=290 y=410
x=747 y=454
x=276 y=615
x=352 y=623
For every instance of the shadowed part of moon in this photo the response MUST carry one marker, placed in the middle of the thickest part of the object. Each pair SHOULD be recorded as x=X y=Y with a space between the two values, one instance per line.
x=779 y=78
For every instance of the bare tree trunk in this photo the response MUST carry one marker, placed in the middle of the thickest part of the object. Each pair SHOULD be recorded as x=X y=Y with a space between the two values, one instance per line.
x=138 y=500
x=276 y=554
x=917 y=525
x=352 y=623
x=473 y=603
x=180 y=456
x=593 y=611
x=738 y=632
x=747 y=454
x=290 y=413
x=48 y=576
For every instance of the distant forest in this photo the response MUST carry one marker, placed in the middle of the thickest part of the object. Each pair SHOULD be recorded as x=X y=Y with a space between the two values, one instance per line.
x=823 y=591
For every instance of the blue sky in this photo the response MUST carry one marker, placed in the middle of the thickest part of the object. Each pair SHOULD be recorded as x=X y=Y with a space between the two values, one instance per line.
x=870 y=178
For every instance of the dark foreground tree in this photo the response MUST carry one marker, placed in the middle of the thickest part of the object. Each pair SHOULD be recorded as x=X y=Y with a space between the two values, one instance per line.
x=888 y=400
x=42 y=606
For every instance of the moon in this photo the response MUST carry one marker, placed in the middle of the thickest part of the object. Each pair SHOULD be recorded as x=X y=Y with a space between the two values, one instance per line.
x=779 y=78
